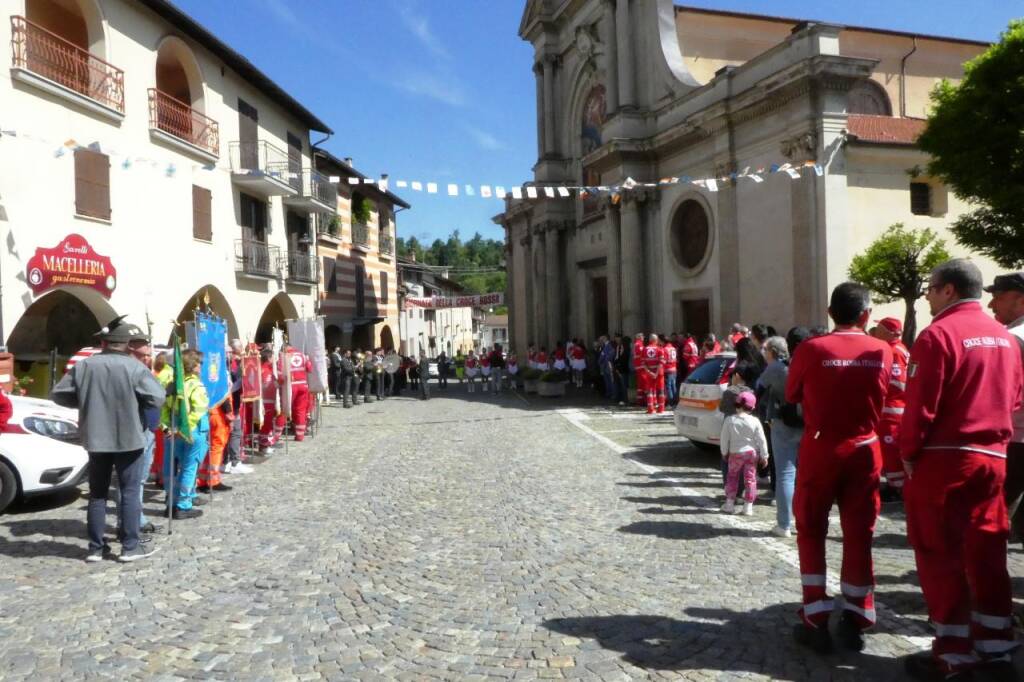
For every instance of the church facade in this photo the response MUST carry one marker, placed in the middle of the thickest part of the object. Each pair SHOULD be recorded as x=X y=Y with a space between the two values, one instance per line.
x=647 y=90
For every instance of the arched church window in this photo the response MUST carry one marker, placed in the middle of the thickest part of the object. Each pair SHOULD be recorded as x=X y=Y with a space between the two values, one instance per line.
x=691 y=234
x=869 y=98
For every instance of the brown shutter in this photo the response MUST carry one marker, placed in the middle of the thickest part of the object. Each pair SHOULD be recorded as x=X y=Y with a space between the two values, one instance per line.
x=384 y=288
x=92 y=184
x=202 y=222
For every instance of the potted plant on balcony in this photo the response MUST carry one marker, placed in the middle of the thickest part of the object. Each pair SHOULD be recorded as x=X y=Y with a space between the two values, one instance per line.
x=552 y=384
x=360 y=209
x=334 y=226
x=531 y=379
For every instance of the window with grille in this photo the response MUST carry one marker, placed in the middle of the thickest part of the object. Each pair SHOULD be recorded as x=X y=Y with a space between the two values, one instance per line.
x=202 y=223
x=920 y=198
x=92 y=184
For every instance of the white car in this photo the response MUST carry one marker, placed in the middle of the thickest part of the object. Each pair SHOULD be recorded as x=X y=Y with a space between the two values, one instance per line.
x=696 y=416
x=40 y=450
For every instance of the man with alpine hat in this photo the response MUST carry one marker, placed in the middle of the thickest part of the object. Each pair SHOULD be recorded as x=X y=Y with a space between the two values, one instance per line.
x=1008 y=305
x=963 y=384
x=112 y=390
x=840 y=379
x=890 y=330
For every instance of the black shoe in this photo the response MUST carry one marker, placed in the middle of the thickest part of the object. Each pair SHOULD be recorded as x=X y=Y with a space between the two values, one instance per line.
x=890 y=494
x=187 y=513
x=923 y=666
x=850 y=633
x=220 y=487
x=150 y=528
x=1000 y=670
x=817 y=639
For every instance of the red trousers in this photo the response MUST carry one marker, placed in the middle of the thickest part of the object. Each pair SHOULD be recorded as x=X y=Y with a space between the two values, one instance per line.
x=642 y=383
x=655 y=393
x=272 y=427
x=220 y=433
x=892 y=464
x=158 y=457
x=847 y=473
x=300 y=409
x=958 y=527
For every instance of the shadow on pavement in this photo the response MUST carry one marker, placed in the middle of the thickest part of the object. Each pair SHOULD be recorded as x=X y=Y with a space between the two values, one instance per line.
x=756 y=641
x=684 y=530
x=44 y=502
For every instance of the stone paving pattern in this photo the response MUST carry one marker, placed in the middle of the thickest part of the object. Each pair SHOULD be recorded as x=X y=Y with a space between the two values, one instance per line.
x=467 y=537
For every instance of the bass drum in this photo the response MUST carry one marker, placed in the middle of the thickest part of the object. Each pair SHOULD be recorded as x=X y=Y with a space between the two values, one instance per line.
x=392 y=363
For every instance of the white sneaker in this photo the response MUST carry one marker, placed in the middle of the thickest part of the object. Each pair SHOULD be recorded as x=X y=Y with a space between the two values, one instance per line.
x=781 y=532
x=242 y=468
x=748 y=509
x=729 y=507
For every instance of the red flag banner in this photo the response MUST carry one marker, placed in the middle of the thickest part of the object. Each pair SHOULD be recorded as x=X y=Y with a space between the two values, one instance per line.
x=469 y=301
x=251 y=389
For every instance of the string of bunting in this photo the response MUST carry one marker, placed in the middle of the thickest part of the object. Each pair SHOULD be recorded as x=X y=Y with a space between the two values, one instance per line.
x=169 y=169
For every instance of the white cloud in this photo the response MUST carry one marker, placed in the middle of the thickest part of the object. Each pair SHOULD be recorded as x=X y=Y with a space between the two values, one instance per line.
x=418 y=25
x=282 y=11
x=485 y=140
x=430 y=85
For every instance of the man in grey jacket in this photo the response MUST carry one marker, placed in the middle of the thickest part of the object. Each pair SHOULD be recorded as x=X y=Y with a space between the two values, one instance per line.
x=111 y=390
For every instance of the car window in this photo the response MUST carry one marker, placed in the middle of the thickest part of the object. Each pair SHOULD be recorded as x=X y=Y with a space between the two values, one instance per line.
x=710 y=371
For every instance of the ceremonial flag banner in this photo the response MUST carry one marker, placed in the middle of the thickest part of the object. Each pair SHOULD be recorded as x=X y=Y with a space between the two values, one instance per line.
x=251 y=390
x=179 y=404
x=431 y=188
x=307 y=335
x=471 y=301
x=208 y=334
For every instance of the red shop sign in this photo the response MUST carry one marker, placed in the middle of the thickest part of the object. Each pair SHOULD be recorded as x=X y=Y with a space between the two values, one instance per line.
x=72 y=262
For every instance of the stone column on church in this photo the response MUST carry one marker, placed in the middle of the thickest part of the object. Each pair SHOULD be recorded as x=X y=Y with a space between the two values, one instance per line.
x=540 y=288
x=632 y=259
x=549 y=105
x=613 y=267
x=624 y=52
x=611 y=59
x=527 y=306
x=554 y=286
x=538 y=74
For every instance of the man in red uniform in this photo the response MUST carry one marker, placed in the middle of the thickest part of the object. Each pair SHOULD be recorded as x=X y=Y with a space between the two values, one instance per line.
x=691 y=355
x=840 y=379
x=273 y=419
x=964 y=382
x=890 y=330
x=653 y=372
x=638 y=369
x=300 y=367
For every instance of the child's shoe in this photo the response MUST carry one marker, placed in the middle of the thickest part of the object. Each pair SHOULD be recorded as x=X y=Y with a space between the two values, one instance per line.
x=729 y=507
x=748 y=509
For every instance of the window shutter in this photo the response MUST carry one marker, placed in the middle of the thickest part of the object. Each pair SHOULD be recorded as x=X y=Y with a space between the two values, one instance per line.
x=92 y=184
x=202 y=224
x=920 y=198
x=384 y=287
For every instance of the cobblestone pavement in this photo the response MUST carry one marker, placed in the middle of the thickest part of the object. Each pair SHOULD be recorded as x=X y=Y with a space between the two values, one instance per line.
x=467 y=537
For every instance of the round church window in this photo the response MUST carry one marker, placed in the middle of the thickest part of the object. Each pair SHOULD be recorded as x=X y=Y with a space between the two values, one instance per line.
x=690 y=234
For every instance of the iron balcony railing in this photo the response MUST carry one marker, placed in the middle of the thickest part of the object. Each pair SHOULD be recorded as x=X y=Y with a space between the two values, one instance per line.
x=257 y=258
x=328 y=223
x=316 y=186
x=302 y=267
x=387 y=244
x=48 y=55
x=179 y=119
x=360 y=234
x=260 y=157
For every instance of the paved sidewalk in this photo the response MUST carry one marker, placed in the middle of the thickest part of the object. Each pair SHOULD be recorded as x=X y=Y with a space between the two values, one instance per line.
x=465 y=537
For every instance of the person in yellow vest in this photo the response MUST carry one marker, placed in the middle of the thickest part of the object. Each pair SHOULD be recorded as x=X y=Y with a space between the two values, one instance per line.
x=187 y=455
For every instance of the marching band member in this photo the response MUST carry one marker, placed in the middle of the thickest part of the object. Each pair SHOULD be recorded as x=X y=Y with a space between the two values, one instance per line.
x=485 y=370
x=471 y=369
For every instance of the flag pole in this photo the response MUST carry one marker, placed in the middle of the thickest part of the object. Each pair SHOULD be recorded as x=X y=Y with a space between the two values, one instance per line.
x=170 y=480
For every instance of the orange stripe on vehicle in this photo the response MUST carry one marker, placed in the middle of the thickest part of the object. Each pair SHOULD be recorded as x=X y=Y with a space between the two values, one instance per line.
x=699 y=404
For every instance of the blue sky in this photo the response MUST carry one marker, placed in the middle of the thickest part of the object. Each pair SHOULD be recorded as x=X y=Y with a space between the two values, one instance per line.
x=442 y=90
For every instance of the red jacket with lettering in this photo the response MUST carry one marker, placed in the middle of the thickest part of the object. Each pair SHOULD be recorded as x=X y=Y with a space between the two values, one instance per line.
x=894 y=398
x=841 y=380
x=269 y=385
x=691 y=354
x=964 y=382
x=638 y=354
x=671 y=356
x=654 y=359
x=299 y=365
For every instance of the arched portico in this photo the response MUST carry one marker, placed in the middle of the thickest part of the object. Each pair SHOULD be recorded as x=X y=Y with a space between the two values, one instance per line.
x=280 y=308
x=209 y=299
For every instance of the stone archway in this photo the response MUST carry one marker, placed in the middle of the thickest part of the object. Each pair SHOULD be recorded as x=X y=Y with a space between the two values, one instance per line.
x=279 y=309
x=66 y=319
x=387 y=339
x=210 y=299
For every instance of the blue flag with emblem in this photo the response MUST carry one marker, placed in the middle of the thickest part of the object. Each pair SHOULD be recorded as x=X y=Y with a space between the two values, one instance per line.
x=209 y=335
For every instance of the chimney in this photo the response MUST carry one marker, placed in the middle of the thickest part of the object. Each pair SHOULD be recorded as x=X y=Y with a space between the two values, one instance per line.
x=348 y=161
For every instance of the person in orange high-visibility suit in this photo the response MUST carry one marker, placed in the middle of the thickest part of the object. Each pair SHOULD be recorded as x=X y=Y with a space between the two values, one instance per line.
x=653 y=371
x=300 y=367
x=273 y=421
x=220 y=433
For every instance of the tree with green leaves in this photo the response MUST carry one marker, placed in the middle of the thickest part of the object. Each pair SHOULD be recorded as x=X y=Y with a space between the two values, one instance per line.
x=896 y=266
x=974 y=136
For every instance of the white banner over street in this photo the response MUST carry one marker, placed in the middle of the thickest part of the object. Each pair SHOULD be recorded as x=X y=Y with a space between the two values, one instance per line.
x=470 y=301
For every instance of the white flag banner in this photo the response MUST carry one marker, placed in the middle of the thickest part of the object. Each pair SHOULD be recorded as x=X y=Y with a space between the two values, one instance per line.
x=431 y=188
x=793 y=173
x=818 y=170
x=756 y=178
x=500 y=192
x=369 y=181
x=531 y=192
x=468 y=189
x=453 y=190
x=353 y=181
x=401 y=184
x=470 y=301
x=333 y=179
x=485 y=191
x=549 y=192
x=563 y=192
x=712 y=185
x=517 y=192
x=417 y=186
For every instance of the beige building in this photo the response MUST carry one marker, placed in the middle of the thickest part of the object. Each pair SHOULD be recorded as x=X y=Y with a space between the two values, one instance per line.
x=356 y=247
x=146 y=168
x=647 y=90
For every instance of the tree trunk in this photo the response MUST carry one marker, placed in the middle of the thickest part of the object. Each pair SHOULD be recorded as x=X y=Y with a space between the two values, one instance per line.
x=909 y=321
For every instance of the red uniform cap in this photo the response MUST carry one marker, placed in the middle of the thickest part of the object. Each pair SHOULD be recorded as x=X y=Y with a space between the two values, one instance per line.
x=892 y=324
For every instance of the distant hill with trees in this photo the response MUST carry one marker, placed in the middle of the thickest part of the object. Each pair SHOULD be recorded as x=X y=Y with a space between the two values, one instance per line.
x=477 y=264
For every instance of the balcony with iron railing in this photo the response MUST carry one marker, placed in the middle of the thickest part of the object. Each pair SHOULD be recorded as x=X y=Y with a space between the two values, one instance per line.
x=263 y=168
x=257 y=259
x=302 y=267
x=176 y=122
x=45 y=60
x=328 y=225
x=315 y=192
x=386 y=245
x=361 y=234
